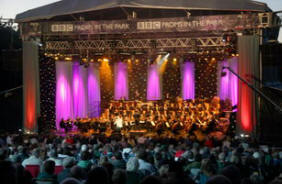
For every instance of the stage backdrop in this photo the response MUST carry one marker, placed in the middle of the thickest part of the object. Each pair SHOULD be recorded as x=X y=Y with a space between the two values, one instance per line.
x=94 y=93
x=228 y=82
x=64 y=98
x=77 y=91
x=154 y=89
x=248 y=69
x=31 y=95
x=121 y=81
x=188 y=80
x=206 y=77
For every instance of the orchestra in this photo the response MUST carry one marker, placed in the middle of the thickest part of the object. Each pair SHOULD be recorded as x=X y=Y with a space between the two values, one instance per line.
x=151 y=116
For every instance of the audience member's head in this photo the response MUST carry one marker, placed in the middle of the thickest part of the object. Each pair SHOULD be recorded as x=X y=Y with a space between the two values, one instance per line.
x=97 y=175
x=36 y=152
x=52 y=153
x=119 y=177
x=85 y=155
x=70 y=181
x=68 y=162
x=78 y=172
x=218 y=179
x=109 y=168
x=49 y=166
x=118 y=155
x=151 y=180
x=141 y=154
x=207 y=167
x=232 y=173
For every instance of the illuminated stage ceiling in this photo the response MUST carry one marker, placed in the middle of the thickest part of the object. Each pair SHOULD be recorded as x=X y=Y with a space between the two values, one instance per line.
x=70 y=7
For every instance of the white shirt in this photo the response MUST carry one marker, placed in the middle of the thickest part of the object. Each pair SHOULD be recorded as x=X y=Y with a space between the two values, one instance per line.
x=119 y=123
x=143 y=165
x=32 y=160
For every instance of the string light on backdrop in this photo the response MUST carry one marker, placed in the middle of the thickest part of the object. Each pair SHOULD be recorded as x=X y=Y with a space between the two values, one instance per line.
x=48 y=92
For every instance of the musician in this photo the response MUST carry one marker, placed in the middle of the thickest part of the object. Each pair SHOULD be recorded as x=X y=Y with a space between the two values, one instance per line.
x=67 y=125
x=62 y=124
x=118 y=122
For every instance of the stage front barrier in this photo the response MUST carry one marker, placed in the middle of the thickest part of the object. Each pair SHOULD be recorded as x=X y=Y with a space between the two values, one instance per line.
x=248 y=69
x=31 y=94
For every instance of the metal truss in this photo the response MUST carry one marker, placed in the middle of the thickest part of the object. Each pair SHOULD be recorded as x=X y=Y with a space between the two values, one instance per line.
x=161 y=43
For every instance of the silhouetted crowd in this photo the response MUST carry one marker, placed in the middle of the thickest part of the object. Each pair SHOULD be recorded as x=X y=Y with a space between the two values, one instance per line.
x=51 y=159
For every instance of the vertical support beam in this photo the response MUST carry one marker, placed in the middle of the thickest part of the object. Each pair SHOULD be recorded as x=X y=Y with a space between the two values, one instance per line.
x=248 y=69
x=31 y=96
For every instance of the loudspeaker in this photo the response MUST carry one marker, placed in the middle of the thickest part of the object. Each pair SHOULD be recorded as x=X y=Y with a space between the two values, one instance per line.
x=265 y=20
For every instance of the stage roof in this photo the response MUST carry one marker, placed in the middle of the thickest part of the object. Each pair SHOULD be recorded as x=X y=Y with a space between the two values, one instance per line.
x=68 y=7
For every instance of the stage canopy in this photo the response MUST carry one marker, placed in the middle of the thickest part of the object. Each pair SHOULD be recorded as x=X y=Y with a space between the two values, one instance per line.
x=69 y=7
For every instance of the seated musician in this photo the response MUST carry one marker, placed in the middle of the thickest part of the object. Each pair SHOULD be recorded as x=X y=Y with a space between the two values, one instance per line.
x=68 y=125
x=62 y=124
x=111 y=107
x=118 y=122
x=215 y=103
x=171 y=107
x=165 y=106
x=126 y=121
x=156 y=107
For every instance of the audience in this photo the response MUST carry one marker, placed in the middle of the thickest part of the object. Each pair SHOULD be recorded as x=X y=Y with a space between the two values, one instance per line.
x=116 y=160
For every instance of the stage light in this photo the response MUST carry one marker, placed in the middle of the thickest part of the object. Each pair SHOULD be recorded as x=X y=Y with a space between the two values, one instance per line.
x=68 y=58
x=92 y=60
x=174 y=59
x=105 y=60
x=129 y=60
x=56 y=58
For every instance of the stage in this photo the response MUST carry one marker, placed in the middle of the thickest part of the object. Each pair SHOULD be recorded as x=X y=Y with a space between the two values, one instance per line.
x=152 y=70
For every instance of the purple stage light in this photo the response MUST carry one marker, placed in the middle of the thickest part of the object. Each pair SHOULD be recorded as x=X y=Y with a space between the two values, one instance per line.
x=153 y=85
x=94 y=97
x=228 y=83
x=64 y=103
x=79 y=90
x=188 y=80
x=121 y=83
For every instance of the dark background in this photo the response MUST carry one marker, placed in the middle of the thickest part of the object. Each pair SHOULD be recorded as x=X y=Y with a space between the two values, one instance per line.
x=10 y=77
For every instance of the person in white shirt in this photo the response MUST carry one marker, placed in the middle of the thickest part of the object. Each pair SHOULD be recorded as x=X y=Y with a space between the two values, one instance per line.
x=119 y=122
x=33 y=159
x=144 y=167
